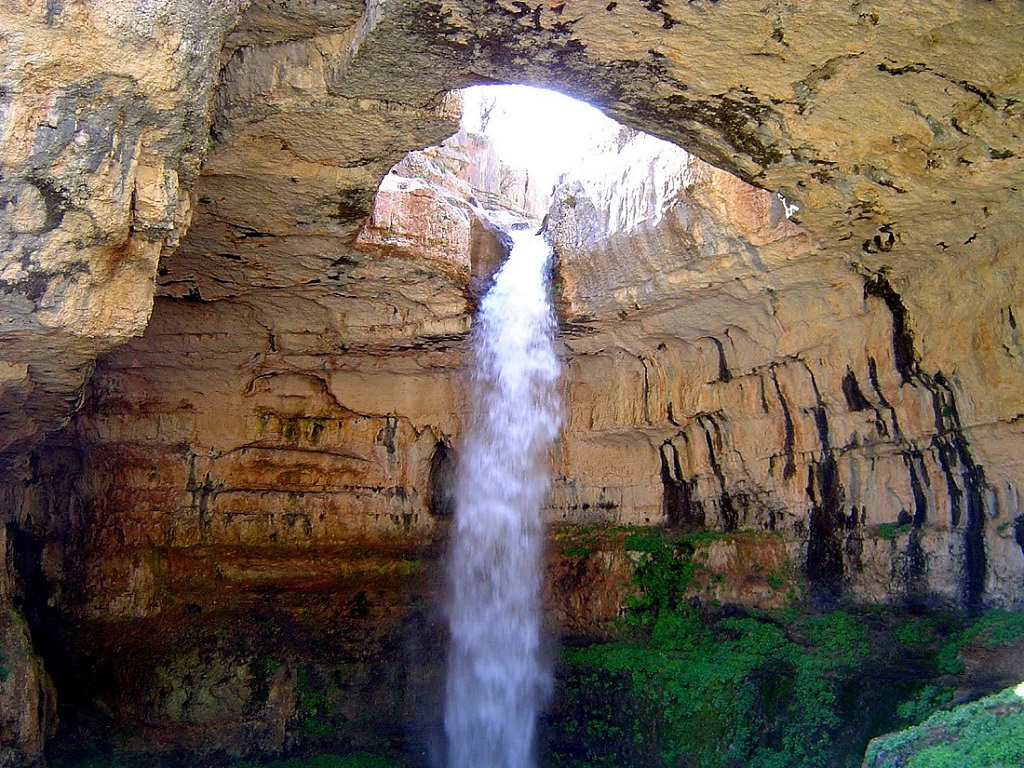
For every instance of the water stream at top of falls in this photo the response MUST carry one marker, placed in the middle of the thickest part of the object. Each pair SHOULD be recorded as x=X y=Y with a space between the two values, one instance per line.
x=496 y=678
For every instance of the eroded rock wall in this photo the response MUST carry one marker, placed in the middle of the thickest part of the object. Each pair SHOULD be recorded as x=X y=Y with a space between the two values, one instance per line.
x=851 y=391
x=736 y=375
x=104 y=125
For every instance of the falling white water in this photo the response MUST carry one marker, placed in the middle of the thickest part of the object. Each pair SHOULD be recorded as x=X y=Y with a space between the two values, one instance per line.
x=496 y=679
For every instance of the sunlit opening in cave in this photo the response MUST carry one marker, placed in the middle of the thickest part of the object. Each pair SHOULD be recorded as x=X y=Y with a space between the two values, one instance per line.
x=541 y=132
x=555 y=140
x=527 y=152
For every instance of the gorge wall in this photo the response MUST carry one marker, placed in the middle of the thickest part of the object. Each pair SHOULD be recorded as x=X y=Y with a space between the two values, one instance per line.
x=229 y=380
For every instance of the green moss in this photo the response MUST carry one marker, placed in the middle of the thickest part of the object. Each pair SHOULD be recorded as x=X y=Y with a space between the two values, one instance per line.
x=4 y=672
x=313 y=704
x=685 y=684
x=638 y=542
x=737 y=689
x=773 y=690
x=890 y=531
x=988 y=733
x=775 y=579
x=576 y=550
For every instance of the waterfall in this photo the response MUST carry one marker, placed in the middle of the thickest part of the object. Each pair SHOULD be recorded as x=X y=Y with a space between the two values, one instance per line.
x=496 y=678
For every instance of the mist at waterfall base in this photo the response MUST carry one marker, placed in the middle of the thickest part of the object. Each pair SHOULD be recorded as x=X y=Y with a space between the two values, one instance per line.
x=496 y=679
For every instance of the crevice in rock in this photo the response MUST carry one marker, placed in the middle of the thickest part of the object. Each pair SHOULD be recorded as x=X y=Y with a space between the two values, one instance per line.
x=827 y=524
x=443 y=463
x=880 y=424
x=918 y=478
x=679 y=500
x=966 y=486
x=647 y=390
x=727 y=508
x=724 y=375
x=789 y=439
x=905 y=358
x=855 y=399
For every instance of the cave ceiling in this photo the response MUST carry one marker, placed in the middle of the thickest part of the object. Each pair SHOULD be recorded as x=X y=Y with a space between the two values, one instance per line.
x=229 y=152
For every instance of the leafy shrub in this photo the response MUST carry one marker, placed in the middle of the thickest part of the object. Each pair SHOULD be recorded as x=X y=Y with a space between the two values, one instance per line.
x=926 y=701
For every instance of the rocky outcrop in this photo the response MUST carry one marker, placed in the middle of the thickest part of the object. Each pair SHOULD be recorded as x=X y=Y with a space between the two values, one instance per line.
x=104 y=122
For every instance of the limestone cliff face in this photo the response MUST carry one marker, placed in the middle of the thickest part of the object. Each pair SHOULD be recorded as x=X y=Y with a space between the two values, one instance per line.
x=844 y=385
x=832 y=433
x=104 y=121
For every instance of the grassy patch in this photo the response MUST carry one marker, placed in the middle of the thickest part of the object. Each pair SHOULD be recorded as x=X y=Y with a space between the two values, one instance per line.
x=992 y=629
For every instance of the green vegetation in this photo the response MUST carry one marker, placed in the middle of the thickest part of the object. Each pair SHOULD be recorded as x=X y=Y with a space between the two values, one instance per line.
x=314 y=704
x=929 y=699
x=4 y=672
x=684 y=684
x=890 y=531
x=992 y=629
x=576 y=550
x=988 y=733
x=735 y=690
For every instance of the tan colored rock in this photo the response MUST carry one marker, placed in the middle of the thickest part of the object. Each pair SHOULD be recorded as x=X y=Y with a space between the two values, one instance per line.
x=28 y=713
x=851 y=388
x=102 y=107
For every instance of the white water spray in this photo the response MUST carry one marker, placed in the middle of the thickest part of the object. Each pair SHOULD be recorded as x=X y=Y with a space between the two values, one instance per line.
x=496 y=679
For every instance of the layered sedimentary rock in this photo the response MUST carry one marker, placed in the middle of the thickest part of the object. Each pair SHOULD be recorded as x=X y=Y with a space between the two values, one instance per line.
x=848 y=391
x=833 y=432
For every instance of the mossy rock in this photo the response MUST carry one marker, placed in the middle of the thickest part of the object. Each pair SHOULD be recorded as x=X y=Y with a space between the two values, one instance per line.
x=988 y=733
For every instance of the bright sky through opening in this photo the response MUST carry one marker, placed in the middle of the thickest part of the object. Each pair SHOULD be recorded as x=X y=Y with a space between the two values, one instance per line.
x=547 y=134
x=536 y=130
